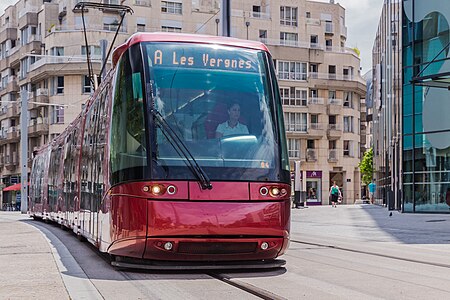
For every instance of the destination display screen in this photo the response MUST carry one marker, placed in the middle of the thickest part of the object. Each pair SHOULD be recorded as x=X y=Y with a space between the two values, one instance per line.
x=197 y=56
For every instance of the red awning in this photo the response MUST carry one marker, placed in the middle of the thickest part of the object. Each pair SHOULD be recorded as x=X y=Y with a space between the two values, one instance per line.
x=14 y=187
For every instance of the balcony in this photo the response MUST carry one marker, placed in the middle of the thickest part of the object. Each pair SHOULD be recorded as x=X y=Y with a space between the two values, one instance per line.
x=315 y=101
x=37 y=127
x=333 y=155
x=334 y=106
x=259 y=15
x=13 y=111
x=334 y=131
x=38 y=99
x=13 y=135
x=28 y=16
x=8 y=33
x=11 y=161
x=343 y=31
x=142 y=3
x=311 y=155
x=316 y=130
x=12 y=85
x=51 y=66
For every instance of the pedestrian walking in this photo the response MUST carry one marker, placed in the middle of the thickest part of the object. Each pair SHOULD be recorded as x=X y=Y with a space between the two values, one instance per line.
x=372 y=189
x=335 y=194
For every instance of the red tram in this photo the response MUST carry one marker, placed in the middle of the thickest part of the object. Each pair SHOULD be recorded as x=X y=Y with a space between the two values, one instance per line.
x=145 y=174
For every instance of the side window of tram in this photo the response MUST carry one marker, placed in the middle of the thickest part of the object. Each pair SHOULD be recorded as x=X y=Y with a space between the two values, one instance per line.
x=128 y=156
x=93 y=154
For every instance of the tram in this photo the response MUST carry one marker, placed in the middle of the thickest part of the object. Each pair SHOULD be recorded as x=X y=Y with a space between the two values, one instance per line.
x=143 y=174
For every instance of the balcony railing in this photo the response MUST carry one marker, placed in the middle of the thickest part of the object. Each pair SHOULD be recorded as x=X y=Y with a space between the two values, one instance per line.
x=259 y=15
x=315 y=101
x=334 y=101
x=333 y=155
x=311 y=155
x=44 y=59
x=335 y=127
x=315 y=126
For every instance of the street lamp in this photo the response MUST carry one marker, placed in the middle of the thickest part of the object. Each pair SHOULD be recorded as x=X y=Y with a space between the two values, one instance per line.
x=217 y=26
x=247 y=24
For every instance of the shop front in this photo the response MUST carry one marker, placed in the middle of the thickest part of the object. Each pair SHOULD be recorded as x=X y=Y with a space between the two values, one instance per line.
x=314 y=187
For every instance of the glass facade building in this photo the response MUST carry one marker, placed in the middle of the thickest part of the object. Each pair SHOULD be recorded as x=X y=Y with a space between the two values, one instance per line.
x=426 y=106
x=411 y=123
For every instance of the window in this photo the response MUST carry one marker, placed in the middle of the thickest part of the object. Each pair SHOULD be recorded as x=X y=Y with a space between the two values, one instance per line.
x=293 y=96
x=332 y=119
x=57 y=116
x=288 y=16
x=294 y=147
x=348 y=99
x=331 y=94
x=295 y=121
x=348 y=124
x=346 y=72
x=313 y=93
x=308 y=14
x=171 y=7
x=348 y=151
x=56 y=85
x=86 y=85
x=288 y=38
x=314 y=41
x=256 y=11
x=128 y=155
x=329 y=44
x=332 y=144
x=94 y=50
x=314 y=124
x=170 y=29
x=111 y=23
x=331 y=72
x=291 y=70
x=263 y=35
x=313 y=71
x=328 y=27
x=140 y=26
x=57 y=51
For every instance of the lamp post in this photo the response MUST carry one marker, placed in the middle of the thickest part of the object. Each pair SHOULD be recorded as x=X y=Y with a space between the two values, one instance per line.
x=24 y=150
x=247 y=24
x=217 y=26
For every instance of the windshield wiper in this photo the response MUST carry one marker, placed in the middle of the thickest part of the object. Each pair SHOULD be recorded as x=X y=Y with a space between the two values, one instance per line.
x=176 y=142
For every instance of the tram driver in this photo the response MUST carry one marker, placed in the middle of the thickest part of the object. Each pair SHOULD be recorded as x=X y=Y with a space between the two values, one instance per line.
x=232 y=126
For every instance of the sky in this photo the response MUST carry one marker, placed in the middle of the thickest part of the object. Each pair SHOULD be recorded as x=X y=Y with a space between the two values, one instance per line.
x=361 y=17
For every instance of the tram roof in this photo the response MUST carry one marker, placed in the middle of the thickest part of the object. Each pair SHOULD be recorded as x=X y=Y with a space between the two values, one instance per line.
x=185 y=38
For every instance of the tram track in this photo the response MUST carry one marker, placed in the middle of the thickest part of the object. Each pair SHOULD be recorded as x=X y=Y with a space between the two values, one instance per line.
x=249 y=288
x=442 y=265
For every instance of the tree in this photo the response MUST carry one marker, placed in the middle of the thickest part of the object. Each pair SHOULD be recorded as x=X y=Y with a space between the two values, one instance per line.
x=366 y=166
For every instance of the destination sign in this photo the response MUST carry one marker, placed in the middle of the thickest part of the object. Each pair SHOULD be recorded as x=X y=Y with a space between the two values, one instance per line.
x=196 y=56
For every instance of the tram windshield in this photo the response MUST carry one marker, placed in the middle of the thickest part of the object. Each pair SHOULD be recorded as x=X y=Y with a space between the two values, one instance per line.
x=218 y=101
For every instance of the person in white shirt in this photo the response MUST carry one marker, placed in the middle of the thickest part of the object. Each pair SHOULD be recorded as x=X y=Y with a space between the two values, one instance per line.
x=232 y=126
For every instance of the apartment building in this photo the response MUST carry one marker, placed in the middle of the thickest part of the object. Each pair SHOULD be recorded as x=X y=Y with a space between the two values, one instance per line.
x=42 y=51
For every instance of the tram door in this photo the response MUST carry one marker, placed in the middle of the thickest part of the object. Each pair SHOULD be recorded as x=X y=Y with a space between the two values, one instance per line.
x=92 y=167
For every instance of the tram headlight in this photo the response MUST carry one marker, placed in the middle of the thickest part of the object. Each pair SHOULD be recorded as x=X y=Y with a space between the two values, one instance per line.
x=168 y=246
x=275 y=192
x=156 y=190
x=264 y=245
